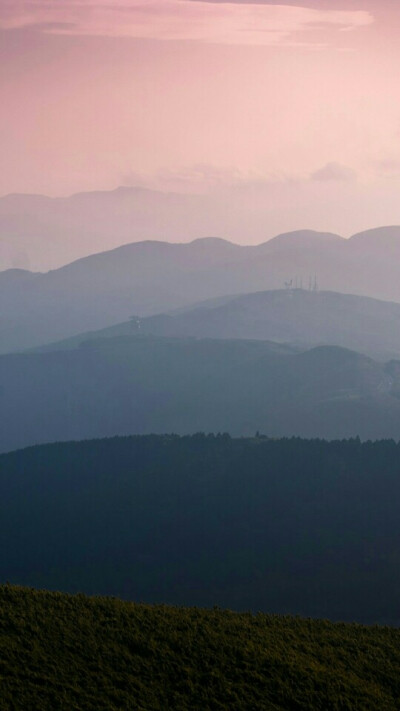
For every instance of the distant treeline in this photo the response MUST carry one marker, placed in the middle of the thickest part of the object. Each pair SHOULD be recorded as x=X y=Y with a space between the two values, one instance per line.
x=100 y=654
x=282 y=526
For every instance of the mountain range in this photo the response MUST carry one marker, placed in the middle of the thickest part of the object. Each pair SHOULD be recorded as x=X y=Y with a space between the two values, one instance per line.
x=300 y=317
x=147 y=278
x=144 y=384
x=39 y=233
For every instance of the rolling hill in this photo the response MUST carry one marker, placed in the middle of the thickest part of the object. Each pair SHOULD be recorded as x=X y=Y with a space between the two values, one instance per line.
x=147 y=278
x=145 y=384
x=64 y=652
x=40 y=233
x=297 y=316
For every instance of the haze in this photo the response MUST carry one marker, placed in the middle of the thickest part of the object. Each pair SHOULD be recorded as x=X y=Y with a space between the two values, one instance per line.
x=291 y=111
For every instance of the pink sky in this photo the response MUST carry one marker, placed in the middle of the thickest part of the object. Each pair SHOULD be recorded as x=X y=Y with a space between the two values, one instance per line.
x=204 y=96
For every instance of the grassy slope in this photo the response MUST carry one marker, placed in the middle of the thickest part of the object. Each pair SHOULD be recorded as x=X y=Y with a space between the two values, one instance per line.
x=74 y=652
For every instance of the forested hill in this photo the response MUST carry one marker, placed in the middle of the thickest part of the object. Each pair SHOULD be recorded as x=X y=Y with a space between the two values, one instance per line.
x=100 y=654
x=281 y=526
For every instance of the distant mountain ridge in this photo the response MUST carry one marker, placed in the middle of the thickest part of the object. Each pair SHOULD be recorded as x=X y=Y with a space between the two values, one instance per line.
x=146 y=278
x=300 y=317
x=40 y=233
x=300 y=239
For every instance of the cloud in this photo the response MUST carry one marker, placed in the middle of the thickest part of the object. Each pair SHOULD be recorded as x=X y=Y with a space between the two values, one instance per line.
x=234 y=23
x=207 y=178
x=388 y=167
x=197 y=178
x=334 y=171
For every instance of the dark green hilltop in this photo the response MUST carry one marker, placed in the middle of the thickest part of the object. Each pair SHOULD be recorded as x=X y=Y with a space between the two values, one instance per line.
x=74 y=653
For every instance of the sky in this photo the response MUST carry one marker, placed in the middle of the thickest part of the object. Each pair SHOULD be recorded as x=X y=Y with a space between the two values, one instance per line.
x=288 y=101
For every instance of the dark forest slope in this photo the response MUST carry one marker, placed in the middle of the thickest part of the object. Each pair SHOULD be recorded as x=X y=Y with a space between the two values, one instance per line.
x=284 y=526
x=101 y=654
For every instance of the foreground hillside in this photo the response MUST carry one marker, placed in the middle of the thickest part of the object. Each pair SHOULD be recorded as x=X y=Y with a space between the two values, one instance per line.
x=142 y=385
x=282 y=526
x=73 y=652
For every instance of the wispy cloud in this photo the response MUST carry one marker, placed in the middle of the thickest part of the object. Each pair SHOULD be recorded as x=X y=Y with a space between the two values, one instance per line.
x=387 y=167
x=197 y=178
x=334 y=171
x=221 y=23
x=208 y=178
